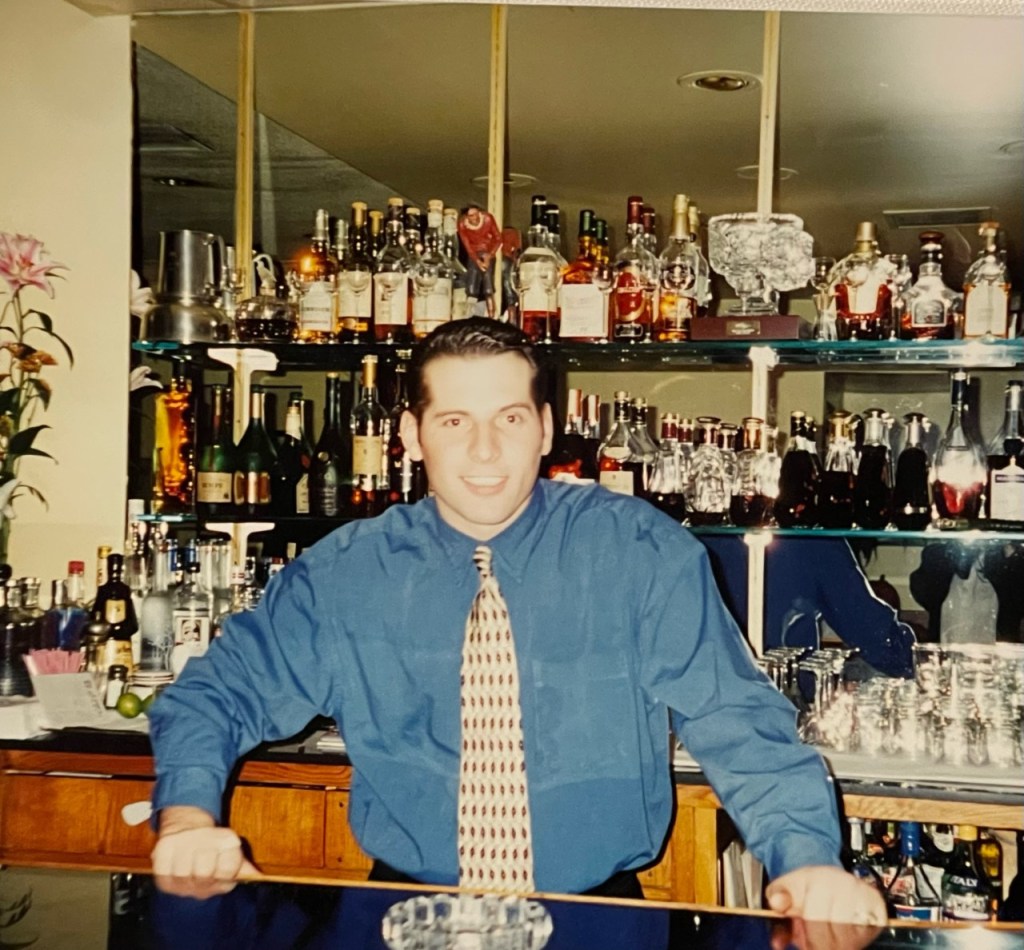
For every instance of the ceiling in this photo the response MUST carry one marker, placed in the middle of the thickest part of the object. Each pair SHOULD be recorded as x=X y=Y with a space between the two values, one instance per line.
x=877 y=112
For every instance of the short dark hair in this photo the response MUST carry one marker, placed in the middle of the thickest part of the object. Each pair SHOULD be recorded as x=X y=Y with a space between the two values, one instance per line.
x=474 y=336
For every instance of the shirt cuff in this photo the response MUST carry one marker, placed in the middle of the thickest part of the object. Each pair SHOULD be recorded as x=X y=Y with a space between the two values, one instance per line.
x=799 y=851
x=189 y=786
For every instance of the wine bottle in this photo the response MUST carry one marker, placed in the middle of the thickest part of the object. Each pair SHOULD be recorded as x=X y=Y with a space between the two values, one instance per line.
x=911 y=497
x=355 y=280
x=367 y=423
x=799 y=479
x=966 y=892
x=215 y=475
x=959 y=471
x=404 y=476
x=329 y=467
x=318 y=275
x=254 y=461
x=289 y=484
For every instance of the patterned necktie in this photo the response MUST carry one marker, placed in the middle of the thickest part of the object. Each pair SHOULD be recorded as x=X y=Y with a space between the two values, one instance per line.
x=495 y=849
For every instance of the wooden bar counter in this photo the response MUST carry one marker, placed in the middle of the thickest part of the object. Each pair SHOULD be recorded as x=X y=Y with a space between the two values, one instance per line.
x=61 y=799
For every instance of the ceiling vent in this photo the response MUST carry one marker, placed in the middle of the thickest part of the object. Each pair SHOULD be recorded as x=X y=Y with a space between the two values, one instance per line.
x=937 y=217
x=164 y=137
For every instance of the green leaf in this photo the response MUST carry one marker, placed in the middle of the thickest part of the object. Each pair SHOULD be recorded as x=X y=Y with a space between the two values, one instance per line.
x=44 y=318
x=37 y=452
x=9 y=401
x=59 y=339
x=10 y=330
x=34 y=491
x=43 y=390
x=21 y=442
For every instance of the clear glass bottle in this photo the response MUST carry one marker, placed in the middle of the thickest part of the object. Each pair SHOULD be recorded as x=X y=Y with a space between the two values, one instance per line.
x=636 y=271
x=966 y=892
x=190 y=619
x=911 y=497
x=619 y=459
x=931 y=307
x=318 y=276
x=710 y=487
x=255 y=458
x=450 y=235
x=355 y=280
x=647 y=448
x=910 y=893
x=553 y=222
x=432 y=277
x=367 y=423
x=987 y=290
x=861 y=285
x=958 y=475
x=536 y=278
x=666 y=489
x=266 y=317
x=64 y=622
x=838 y=478
x=581 y=304
x=1004 y=497
x=749 y=505
x=156 y=619
x=872 y=496
x=215 y=475
x=392 y=302
x=331 y=463
x=796 y=505
x=679 y=273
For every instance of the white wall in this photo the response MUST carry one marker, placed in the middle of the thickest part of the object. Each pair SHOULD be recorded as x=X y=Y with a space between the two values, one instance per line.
x=65 y=177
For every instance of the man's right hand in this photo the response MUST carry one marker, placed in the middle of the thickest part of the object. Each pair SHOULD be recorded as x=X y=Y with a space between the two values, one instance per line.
x=195 y=858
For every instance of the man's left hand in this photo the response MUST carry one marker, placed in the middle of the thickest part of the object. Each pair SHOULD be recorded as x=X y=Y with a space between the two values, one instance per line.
x=826 y=893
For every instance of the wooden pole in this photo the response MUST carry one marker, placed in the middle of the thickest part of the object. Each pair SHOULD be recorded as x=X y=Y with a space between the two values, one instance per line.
x=496 y=133
x=769 y=112
x=244 y=144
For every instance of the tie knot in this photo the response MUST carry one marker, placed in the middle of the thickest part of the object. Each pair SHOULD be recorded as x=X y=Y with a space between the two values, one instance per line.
x=482 y=560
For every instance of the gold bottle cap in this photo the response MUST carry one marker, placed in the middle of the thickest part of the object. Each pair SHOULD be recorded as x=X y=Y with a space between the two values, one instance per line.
x=965 y=832
x=866 y=232
x=435 y=205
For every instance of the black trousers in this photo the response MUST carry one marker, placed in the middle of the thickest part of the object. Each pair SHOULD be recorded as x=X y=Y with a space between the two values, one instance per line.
x=622 y=884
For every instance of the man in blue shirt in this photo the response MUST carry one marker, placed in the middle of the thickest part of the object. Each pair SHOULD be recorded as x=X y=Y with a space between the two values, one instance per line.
x=617 y=626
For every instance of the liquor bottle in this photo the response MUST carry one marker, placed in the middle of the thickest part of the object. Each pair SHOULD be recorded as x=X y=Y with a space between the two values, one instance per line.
x=710 y=488
x=728 y=436
x=910 y=893
x=678 y=271
x=404 y=476
x=855 y=858
x=647 y=448
x=566 y=459
x=318 y=273
x=412 y=233
x=838 y=478
x=31 y=613
x=331 y=462
x=602 y=252
x=648 y=218
x=989 y=855
x=911 y=496
x=355 y=280
x=591 y=434
x=636 y=270
x=966 y=892
x=215 y=475
x=64 y=622
x=174 y=444
x=959 y=470
x=796 y=505
x=749 y=506
x=377 y=238
x=583 y=314
x=703 y=283
x=620 y=467
x=114 y=606
x=432 y=278
x=872 y=496
x=190 y=619
x=391 y=296
x=1004 y=498
x=156 y=618
x=367 y=423
x=536 y=279
x=862 y=291
x=931 y=307
x=15 y=643
x=289 y=478
x=987 y=290
x=265 y=317
x=450 y=235
x=666 y=489
x=254 y=461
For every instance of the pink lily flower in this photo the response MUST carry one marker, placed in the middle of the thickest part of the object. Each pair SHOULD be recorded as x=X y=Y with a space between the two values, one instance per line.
x=24 y=263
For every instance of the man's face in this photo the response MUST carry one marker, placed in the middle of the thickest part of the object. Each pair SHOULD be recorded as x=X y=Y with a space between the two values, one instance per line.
x=481 y=439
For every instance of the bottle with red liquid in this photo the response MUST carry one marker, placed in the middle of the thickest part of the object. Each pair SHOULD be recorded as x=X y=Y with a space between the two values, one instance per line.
x=666 y=488
x=838 y=480
x=619 y=461
x=749 y=505
x=796 y=505
x=959 y=471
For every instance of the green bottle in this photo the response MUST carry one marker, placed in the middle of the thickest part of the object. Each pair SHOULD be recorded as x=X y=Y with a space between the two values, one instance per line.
x=215 y=472
x=253 y=462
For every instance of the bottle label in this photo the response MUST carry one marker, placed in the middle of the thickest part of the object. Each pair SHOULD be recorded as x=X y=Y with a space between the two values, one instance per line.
x=862 y=288
x=367 y=451
x=536 y=294
x=617 y=481
x=391 y=299
x=302 y=495
x=629 y=301
x=460 y=304
x=985 y=310
x=917 y=911
x=430 y=310
x=1006 y=494
x=582 y=307
x=928 y=313
x=191 y=637
x=316 y=310
x=355 y=298
x=115 y=611
x=214 y=488
x=252 y=488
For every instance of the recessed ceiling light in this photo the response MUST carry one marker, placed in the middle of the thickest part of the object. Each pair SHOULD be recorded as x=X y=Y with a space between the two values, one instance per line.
x=512 y=180
x=177 y=181
x=1012 y=148
x=749 y=172
x=719 y=80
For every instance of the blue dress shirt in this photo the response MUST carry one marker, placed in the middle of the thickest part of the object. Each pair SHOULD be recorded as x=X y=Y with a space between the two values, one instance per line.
x=616 y=621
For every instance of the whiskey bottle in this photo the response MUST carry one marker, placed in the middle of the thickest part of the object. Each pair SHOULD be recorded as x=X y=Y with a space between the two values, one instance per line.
x=835 y=498
x=367 y=423
x=114 y=606
x=391 y=297
x=710 y=488
x=450 y=243
x=432 y=278
x=567 y=457
x=620 y=467
x=911 y=497
x=584 y=316
x=872 y=496
x=987 y=290
x=536 y=277
x=317 y=275
x=330 y=465
x=678 y=272
x=931 y=307
x=412 y=234
x=174 y=444
x=959 y=470
x=749 y=505
x=635 y=273
x=254 y=462
x=799 y=479
x=1004 y=499
x=862 y=290
x=966 y=892
x=215 y=476
x=355 y=280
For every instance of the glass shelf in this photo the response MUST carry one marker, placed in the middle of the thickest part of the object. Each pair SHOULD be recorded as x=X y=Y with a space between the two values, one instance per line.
x=608 y=356
x=962 y=535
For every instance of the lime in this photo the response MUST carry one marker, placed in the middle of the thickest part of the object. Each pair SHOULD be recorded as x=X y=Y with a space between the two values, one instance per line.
x=147 y=702
x=129 y=705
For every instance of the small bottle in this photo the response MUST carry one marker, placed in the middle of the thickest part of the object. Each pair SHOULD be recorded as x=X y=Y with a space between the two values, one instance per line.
x=710 y=486
x=838 y=479
x=872 y=495
x=190 y=619
x=796 y=505
x=931 y=307
x=862 y=290
x=959 y=470
x=117 y=683
x=911 y=496
x=966 y=892
x=1004 y=498
x=330 y=465
x=536 y=278
x=636 y=270
x=987 y=290
x=619 y=460
x=254 y=460
x=391 y=277
x=355 y=280
x=581 y=304
x=678 y=267
x=215 y=475
x=367 y=423
x=114 y=606
x=910 y=893
x=156 y=619
x=318 y=274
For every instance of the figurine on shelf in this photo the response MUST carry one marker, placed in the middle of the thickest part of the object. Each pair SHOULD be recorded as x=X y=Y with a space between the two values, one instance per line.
x=481 y=239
